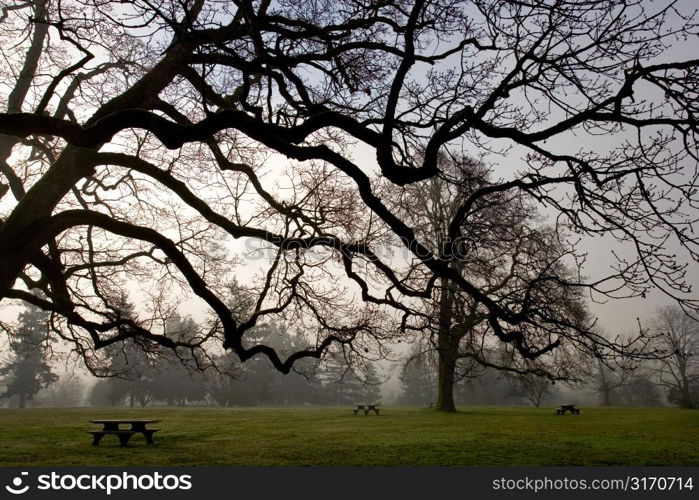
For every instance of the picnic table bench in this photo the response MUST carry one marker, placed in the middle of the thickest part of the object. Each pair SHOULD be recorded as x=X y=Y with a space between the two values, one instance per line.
x=112 y=427
x=367 y=409
x=564 y=408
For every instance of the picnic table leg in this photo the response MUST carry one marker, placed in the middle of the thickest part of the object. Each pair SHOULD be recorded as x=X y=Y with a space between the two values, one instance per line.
x=96 y=438
x=141 y=427
x=376 y=410
x=149 y=436
x=124 y=438
x=355 y=412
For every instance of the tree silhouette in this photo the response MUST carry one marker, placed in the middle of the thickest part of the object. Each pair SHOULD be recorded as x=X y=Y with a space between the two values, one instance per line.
x=141 y=142
x=507 y=250
x=678 y=370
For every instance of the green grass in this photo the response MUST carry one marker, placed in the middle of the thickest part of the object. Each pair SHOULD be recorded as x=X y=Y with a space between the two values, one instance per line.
x=333 y=436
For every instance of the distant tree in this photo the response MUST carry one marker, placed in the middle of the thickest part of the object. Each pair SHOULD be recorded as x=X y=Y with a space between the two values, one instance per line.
x=418 y=379
x=174 y=377
x=256 y=382
x=639 y=390
x=504 y=247
x=490 y=387
x=130 y=364
x=175 y=384
x=108 y=392
x=28 y=371
x=531 y=388
x=66 y=391
x=347 y=384
x=607 y=381
x=678 y=337
x=372 y=383
x=301 y=386
x=222 y=384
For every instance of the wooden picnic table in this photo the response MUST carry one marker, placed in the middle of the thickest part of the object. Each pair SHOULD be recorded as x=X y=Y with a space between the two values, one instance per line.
x=367 y=408
x=113 y=426
x=568 y=407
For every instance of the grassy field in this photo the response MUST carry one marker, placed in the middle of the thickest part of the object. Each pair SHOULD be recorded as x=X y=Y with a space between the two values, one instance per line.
x=333 y=436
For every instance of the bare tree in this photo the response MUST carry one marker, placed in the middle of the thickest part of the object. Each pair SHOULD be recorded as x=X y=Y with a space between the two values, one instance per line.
x=641 y=389
x=66 y=391
x=678 y=370
x=531 y=387
x=512 y=256
x=607 y=380
x=142 y=140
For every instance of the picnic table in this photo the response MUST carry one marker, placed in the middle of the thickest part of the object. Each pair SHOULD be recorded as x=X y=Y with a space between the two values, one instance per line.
x=568 y=407
x=367 y=409
x=112 y=426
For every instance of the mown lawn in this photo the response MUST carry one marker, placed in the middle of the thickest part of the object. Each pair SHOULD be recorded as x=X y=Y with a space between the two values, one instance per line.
x=333 y=436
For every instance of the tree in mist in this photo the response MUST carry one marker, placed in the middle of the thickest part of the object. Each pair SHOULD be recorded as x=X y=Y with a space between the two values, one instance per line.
x=678 y=370
x=28 y=370
x=67 y=390
x=606 y=381
x=531 y=388
x=140 y=140
x=508 y=252
x=130 y=363
x=103 y=394
x=222 y=384
x=174 y=376
x=641 y=389
x=257 y=382
x=489 y=387
x=346 y=383
x=417 y=378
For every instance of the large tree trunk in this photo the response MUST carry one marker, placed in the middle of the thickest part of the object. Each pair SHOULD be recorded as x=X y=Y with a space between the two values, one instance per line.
x=605 y=385
x=685 y=399
x=447 y=353
x=447 y=368
x=22 y=400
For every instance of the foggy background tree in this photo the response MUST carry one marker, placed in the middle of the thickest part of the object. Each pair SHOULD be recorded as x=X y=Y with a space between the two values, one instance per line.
x=167 y=381
x=175 y=380
x=607 y=380
x=156 y=150
x=640 y=389
x=678 y=371
x=28 y=370
x=67 y=391
x=506 y=250
x=532 y=388
x=418 y=379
